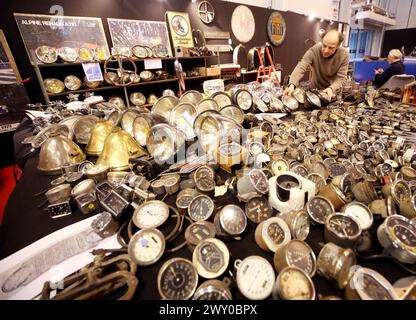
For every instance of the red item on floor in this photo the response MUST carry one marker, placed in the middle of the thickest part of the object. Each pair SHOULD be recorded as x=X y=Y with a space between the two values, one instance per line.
x=7 y=184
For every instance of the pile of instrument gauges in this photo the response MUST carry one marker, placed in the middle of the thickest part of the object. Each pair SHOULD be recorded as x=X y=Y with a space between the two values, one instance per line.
x=198 y=173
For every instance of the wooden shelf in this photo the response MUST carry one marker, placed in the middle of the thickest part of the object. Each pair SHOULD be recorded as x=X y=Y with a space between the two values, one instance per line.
x=118 y=87
x=62 y=64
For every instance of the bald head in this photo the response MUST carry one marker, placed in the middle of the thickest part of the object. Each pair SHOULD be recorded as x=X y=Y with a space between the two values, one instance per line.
x=331 y=40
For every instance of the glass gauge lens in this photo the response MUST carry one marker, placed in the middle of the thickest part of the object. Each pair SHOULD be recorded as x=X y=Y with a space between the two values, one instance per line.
x=233 y=112
x=233 y=220
x=336 y=169
x=258 y=209
x=205 y=184
x=319 y=180
x=400 y=191
x=313 y=99
x=300 y=170
x=54 y=85
x=294 y=284
x=320 y=168
x=177 y=279
x=211 y=258
x=259 y=180
x=361 y=213
x=276 y=233
x=139 y=52
x=199 y=231
x=212 y=290
x=146 y=246
x=260 y=104
x=319 y=208
x=244 y=99
x=151 y=214
x=86 y=54
x=204 y=172
x=183 y=201
x=301 y=225
x=403 y=231
x=101 y=53
x=201 y=208
x=276 y=104
x=222 y=99
x=206 y=104
x=267 y=127
x=255 y=277
x=370 y=285
x=291 y=103
x=255 y=148
x=72 y=83
x=279 y=166
x=344 y=226
x=329 y=161
x=300 y=255
x=46 y=54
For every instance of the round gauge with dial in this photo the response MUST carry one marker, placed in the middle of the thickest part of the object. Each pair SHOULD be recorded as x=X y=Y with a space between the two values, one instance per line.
x=150 y=214
x=213 y=290
x=360 y=212
x=184 y=198
x=336 y=169
x=296 y=253
x=400 y=191
x=299 y=169
x=146 y=246
x=204 y=171
x=272 y=233
x=243 y=99
x=255 y=148
x=222 y=99
x=211 y=258
x=319 y=180
x=329 y=161
x=255 y=277
x=205 y=185
x=177 y=279
x=319 y=208
x=201 y=208
x=320 y=168
x=298 y=222
x=259 y=180
x=266 y=126
x=342 y=230
x=367 y=284
x=293 y=283
x=290 y=103
x=397 y=235
x=258 y=209
x=279 y=166
x=199 y=231
x=230 y=221
x=158 y=187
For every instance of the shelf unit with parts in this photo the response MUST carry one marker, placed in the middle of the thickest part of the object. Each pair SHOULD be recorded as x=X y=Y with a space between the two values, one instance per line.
x=156 y=87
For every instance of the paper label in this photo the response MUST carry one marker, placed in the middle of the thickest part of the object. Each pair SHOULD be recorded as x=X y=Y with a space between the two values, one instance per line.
x=93 y=71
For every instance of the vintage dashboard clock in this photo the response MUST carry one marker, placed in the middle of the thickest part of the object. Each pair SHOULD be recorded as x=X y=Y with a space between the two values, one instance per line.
x=243 y=24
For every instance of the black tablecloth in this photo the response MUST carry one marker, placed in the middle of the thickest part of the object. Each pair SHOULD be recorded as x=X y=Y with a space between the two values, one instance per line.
x=24 y=223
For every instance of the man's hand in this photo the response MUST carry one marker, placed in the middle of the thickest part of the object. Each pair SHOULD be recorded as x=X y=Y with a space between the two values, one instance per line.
x=289 y=90
x=379 y=71
x=329 y=92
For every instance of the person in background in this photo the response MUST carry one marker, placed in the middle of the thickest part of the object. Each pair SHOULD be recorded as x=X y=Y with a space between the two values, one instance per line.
x=329 y=63
x=396 y=67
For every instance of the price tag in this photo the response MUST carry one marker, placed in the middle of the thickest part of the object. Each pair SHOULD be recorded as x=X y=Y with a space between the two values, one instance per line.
x=152 y=64
x=93 y=71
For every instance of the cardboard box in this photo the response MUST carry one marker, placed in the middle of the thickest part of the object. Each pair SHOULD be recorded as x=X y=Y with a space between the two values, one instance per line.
x=202 y=71
x=213 y=71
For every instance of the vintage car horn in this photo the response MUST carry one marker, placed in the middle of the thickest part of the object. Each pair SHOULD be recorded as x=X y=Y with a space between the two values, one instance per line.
x=119 y=147
x=100 y=132
x=58 y=151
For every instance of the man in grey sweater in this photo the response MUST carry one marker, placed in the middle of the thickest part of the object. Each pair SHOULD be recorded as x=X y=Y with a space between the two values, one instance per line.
x=329 y=63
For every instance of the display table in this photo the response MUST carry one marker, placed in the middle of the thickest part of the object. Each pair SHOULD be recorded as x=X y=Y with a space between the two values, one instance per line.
x=25 y=223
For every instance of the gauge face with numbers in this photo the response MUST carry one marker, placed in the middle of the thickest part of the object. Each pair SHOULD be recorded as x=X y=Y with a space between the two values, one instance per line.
x=177 y=279
x=201 y=208
x=279 y=166
x=319 y=208
x=151 y=214
x=400 y=191
x=258 y=209
x=233 y=220
x=146 y=246
x=293 y=284
x=199 y=231
x=343 y=226
x=360 y=212
x=259 y=180
x=301 y=225
x=403 y=231
x=370 y=285
x=255 y=277
x=300 y=255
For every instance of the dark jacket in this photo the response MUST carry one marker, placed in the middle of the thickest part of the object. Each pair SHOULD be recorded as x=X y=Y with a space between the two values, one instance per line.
x=395 y=68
